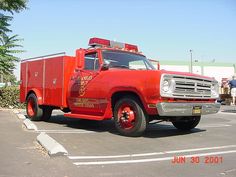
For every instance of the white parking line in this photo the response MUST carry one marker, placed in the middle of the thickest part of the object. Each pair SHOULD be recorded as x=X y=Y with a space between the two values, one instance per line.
x=149 y=160
x=229 y=113
x=150 y=154
x=214 y=126
x=201 y=149
x=66 y=131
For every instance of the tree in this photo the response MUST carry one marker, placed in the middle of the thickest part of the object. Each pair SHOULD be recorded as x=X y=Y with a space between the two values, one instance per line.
x=9 y=6
x=10 y=78
x=9 y=44
x=13 y=5
x=4 y=23
x=8 y=48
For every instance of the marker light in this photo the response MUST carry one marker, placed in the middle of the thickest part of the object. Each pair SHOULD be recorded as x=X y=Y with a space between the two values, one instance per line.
x=104 y=42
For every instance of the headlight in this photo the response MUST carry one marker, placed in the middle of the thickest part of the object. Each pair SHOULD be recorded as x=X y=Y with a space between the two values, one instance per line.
x=165 y=86
x=168 y=86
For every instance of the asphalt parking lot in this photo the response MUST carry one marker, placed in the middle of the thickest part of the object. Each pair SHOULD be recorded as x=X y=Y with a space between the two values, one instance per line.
x=96 y=149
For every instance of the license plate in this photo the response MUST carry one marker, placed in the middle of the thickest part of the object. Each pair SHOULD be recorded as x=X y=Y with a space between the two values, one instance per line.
x=197 y=110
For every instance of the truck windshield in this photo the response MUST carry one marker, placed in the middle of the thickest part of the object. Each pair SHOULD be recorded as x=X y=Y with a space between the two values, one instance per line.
x=120 y=59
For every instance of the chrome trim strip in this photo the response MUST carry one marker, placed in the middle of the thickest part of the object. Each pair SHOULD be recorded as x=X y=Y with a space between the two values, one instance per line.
x=63 y=81
x=42 y=57
x=44 y=70
x=26 y=81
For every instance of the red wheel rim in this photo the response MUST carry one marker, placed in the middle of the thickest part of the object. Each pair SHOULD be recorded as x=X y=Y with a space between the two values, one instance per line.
x=126 y=116
x=31 y=107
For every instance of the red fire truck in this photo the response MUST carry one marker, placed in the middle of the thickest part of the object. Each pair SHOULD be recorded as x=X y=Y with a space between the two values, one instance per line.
x=114 y=80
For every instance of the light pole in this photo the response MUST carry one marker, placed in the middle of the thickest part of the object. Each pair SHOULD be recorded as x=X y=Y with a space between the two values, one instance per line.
x=191 y=60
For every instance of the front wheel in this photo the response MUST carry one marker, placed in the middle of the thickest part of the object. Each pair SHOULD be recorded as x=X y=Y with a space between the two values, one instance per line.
x=186 y=123
x=129 y=117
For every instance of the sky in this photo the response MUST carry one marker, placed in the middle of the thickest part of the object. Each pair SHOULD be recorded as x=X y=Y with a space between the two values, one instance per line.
x=162 y=29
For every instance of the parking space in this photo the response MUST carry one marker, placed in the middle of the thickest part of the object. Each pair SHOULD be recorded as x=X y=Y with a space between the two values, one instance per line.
x=96 y=146
x=21 y=155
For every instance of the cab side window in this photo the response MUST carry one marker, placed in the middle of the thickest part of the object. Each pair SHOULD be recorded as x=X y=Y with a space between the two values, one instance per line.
x=91 y=61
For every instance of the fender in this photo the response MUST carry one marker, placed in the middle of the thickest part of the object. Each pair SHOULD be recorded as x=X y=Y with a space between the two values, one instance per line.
x=127 y=89
x=38 y=95
x=108 y=111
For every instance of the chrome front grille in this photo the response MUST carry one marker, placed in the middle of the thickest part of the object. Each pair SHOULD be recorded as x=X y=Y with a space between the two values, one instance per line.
x=189 y=87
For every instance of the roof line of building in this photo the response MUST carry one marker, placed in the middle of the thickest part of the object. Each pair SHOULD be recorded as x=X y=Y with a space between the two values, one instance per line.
x=198 y=63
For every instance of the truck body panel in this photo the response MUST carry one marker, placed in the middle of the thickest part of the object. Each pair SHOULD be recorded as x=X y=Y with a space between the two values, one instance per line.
x=49 y=77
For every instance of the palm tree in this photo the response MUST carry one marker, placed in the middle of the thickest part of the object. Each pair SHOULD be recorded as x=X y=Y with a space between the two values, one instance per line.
x=9 y=44
x=13 y=5
x=4 y=23
x=8 y=49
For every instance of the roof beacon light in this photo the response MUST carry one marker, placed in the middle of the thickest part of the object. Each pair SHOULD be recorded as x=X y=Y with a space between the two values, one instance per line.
x=98 y=42
x=104 y=42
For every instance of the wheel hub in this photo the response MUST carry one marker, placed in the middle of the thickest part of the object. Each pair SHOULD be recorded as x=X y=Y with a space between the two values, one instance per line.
x=126 y=117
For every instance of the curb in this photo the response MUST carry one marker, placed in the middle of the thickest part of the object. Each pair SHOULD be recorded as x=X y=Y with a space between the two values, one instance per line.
x=20 y=116
x=52 y=146
x=30 y=125
x=15 y=111
x=227 y=112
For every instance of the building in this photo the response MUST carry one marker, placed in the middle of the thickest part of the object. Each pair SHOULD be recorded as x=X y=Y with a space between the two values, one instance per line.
x=211 y=69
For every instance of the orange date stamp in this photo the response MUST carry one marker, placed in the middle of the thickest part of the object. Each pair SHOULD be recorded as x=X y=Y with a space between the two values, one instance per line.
x=197 y=160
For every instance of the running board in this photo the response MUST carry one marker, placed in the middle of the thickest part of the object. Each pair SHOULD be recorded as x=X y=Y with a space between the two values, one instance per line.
x=82 y=116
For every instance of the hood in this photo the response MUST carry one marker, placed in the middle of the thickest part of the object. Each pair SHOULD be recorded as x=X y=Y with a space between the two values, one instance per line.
x=186 y=74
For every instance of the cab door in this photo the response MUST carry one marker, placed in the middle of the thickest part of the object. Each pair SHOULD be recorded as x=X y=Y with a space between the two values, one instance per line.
x=85 y=90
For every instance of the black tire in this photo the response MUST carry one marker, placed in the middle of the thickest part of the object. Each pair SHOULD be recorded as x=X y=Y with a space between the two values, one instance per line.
x=187 y=123
x=33 y=110
x=47 y=112
x=134 y=126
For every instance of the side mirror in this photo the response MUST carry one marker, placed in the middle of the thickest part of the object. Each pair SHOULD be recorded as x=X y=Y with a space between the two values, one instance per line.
x=105 y=66
x=79 y=57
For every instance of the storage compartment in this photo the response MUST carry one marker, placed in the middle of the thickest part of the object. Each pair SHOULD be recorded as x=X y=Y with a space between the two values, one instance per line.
x=49 y=77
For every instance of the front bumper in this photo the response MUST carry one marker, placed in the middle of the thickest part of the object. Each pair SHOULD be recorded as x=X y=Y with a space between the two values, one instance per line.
x=186 y=109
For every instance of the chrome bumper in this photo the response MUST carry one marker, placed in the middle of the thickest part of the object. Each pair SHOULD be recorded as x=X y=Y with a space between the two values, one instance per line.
x=186 y=109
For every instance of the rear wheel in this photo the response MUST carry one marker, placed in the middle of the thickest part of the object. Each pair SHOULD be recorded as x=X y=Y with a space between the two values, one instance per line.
x=34 y=112
x=47 y=112
x=130 y=119
x=187 y=123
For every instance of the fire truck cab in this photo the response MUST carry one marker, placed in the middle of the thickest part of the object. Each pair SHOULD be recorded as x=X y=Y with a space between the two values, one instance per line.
x=114 y=80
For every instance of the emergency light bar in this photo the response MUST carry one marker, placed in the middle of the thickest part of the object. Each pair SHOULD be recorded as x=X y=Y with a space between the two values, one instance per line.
x=104 y=42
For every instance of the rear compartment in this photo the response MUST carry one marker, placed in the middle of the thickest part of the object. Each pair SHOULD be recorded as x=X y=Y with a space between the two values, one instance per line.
x=48 y=78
